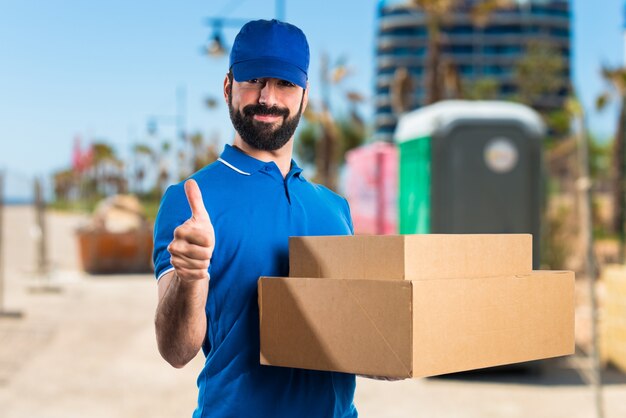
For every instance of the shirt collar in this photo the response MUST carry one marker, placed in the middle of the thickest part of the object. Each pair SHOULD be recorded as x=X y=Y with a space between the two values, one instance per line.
x=246 y=165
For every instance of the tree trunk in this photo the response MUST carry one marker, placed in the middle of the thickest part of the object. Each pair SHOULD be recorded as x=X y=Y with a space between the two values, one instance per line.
x=326 y=148
x=433 y=87
x=618 y=180
x=586 y=229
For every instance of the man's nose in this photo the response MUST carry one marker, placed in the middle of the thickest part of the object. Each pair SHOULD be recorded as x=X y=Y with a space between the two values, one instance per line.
x=268 y=94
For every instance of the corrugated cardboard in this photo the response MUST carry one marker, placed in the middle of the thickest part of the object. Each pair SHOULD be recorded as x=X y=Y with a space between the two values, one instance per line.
x=410 y=257
x=415 y=328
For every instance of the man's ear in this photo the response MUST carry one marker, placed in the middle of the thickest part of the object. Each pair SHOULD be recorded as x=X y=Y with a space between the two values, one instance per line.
x=228 y=87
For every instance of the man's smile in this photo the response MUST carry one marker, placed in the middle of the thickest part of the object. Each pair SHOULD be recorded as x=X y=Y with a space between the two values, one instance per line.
x=267 y=118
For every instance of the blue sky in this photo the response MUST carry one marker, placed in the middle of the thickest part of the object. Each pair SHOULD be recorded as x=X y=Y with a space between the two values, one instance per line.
x=101 y=69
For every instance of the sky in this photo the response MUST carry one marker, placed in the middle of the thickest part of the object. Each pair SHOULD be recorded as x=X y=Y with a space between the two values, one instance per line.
x=100 y=70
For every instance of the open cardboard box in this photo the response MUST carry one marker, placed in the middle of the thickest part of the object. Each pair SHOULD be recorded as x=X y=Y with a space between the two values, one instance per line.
x=388 y=326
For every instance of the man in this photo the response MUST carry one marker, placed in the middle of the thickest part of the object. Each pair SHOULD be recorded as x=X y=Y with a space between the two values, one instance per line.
x=230 y=223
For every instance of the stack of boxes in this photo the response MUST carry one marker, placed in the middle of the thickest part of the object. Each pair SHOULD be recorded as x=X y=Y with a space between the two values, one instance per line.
x=414 y=305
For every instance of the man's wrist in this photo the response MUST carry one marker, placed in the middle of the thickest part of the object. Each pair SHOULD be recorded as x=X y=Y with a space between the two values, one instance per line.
x=186 y=281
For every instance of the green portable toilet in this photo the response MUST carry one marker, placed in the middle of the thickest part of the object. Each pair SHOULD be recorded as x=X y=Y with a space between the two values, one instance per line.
x=471 y=167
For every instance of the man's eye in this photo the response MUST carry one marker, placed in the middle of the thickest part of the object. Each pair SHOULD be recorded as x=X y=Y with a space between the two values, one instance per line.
x=285 y=83
x=253 y=81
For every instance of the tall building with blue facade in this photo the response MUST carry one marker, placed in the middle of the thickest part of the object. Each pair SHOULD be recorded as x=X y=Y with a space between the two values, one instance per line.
x=477 y=52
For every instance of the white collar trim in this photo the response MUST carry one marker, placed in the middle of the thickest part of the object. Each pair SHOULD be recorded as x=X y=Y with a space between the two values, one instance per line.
x=229 y=165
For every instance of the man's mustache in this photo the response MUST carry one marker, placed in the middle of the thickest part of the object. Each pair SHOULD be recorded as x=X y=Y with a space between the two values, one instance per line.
x=262 y=110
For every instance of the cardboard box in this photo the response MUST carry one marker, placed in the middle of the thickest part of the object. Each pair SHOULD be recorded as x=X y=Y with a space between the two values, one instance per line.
x=415 y=328
x=410 y=257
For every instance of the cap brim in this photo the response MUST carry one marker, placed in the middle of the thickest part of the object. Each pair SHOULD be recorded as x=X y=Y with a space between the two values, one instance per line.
x=269 y=68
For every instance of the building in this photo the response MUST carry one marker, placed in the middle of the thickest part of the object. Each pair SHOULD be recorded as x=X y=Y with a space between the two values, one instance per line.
x=473 y=52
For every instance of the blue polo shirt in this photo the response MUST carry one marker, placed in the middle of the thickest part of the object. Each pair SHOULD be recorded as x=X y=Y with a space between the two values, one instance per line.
x=254 y=210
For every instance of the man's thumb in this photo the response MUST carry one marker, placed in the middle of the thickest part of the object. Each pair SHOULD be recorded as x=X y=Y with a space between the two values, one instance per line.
x=194 y=197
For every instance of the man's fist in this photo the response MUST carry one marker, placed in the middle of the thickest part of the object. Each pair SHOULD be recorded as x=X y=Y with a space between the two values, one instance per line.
x=193 y=243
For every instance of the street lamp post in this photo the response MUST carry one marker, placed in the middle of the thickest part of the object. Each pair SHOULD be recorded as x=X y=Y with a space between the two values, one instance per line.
x=178 y=120
x=216 y=46
x=280 y=10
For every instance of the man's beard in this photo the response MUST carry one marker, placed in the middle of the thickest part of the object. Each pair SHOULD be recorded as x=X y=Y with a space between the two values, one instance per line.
x=260 y=135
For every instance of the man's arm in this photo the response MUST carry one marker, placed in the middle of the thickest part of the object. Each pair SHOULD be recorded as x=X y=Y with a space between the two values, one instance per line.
x=180 y=319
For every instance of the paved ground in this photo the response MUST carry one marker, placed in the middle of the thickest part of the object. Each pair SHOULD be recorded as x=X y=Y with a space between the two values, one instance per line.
x=88 y=349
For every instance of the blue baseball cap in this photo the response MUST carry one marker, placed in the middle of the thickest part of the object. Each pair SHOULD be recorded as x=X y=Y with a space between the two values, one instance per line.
x=270 y=48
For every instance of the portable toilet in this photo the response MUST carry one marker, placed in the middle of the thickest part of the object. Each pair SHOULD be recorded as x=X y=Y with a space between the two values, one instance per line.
x=471 y=167
x=371 y=188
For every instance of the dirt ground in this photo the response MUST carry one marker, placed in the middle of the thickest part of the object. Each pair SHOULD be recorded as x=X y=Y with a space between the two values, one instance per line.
x=85 y=346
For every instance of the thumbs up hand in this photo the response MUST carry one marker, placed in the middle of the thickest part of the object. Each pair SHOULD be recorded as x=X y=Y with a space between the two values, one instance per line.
x=194 y=240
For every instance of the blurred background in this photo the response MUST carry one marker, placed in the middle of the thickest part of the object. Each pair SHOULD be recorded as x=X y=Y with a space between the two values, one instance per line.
x=430 y=116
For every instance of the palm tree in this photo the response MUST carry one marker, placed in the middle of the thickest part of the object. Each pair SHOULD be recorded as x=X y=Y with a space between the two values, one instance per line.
x=107 y=170
x=539 y=72
x=102 y=155
x=324 y=140
x=143 y=158
x=437 y=12
x=203 y=153
x=616 y=78
x=64 y=183
x=163 y=176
